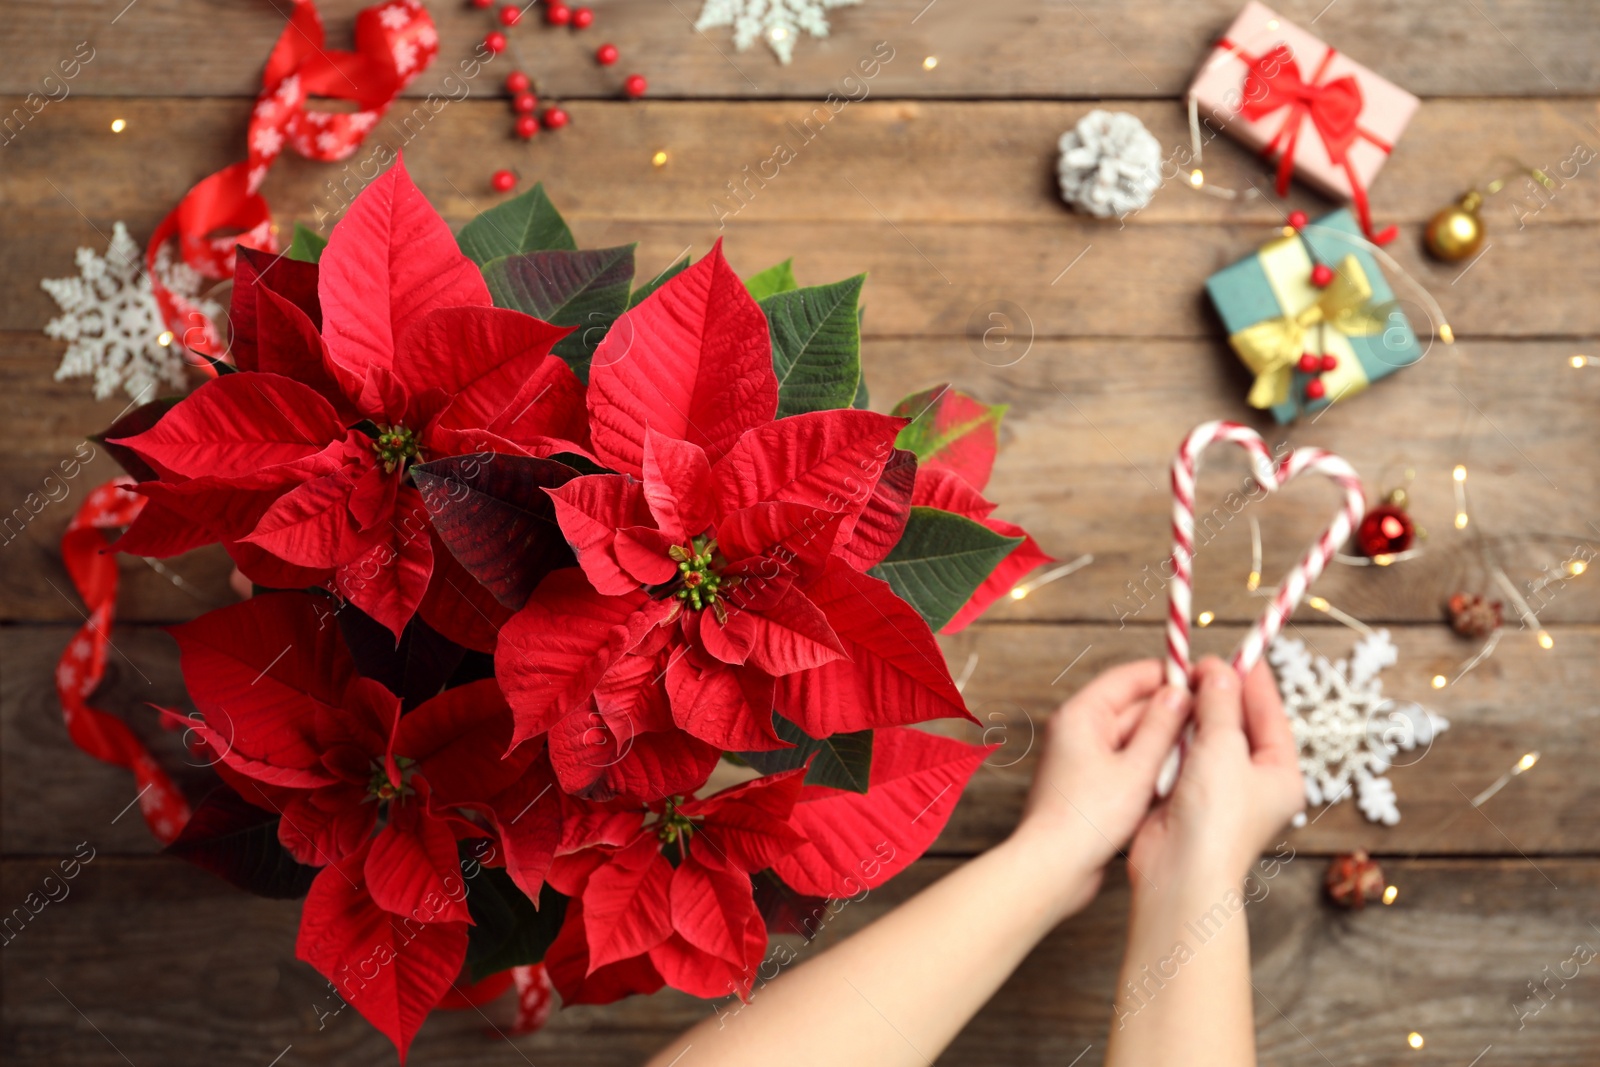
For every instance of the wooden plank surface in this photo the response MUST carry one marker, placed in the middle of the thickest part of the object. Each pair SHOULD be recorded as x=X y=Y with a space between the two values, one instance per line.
x=1048 y=49
x=1524 y=699
x=1451 y=960
x=939 y=182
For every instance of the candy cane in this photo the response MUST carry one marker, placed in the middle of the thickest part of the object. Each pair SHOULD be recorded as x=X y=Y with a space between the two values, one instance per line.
x=1271 y=476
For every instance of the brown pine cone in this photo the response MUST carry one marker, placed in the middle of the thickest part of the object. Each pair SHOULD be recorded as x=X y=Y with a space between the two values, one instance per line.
x=1473 y=616
x=1352 y=879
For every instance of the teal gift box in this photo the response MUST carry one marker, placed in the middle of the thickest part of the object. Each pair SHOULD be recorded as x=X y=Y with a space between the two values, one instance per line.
x=1312 y=345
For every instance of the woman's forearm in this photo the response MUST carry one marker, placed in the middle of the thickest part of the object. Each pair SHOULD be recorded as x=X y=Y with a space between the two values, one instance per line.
x=1184 y=994
x=899 y=991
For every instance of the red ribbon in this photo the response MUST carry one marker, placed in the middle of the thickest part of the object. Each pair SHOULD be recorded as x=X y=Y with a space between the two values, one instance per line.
x=83 y=664
x=395 y=41
x=1273 y=80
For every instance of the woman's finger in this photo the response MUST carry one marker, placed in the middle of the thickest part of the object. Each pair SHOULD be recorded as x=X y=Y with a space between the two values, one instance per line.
x=1271 y=740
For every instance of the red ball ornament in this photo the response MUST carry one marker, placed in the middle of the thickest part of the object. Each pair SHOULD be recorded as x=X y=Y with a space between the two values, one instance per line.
x=481 y=3
x=1315 y=390
x=526 y=127
x=1298 y=219
x=525 y=103
x=495 y=42
x=517 y=82
x=582 y=18
x=1310 y=362
x=1321 y=275
x=557 y=14
x=555 y=118
x=605 y=55
x=1330 y=362
x=503 y=181
x=1352 y=879
x=510 y=16
x=635 y=85
x=1385 y=530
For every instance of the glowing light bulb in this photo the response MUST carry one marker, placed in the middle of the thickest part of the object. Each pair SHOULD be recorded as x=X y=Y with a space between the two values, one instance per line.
x=1576 y=567
x=118 y=125
x=1546 y=642
x=1415 y=1040
x=1462 y=520
x=1460 y=473
x=1440 y=681
x=1205 y=618
x=1527 y=761
x=1390 y=894
x=165 y=339
x=1579 y=362
x=1446 y=334
x=930 y=62
x=659 y=159
x=1019 y=592
x=1383 y=559
x=1253 y=582
x=1197 y=177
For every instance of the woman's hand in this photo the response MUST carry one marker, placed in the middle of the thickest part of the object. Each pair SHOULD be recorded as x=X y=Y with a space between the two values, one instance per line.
x=1240 y=784
x=1096 y=776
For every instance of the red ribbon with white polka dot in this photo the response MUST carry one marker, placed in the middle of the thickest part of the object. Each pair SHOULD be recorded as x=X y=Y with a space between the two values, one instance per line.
x=93 y=569
x=395 y=41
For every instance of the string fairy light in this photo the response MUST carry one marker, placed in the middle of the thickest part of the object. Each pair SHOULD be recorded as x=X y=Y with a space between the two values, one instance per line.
x=1522 y=766
x=1459 y=480
x=1022 y=590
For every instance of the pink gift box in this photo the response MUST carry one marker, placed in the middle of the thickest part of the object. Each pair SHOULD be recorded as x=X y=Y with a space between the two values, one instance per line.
x=1278 y=89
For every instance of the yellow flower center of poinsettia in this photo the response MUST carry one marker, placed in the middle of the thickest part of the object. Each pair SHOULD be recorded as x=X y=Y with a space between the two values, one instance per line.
x=396 y=446
x=381 y=787
x=673 y=824
x=701 y=582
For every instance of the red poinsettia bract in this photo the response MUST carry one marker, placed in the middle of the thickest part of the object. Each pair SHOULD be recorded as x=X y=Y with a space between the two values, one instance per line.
x=386 y=353
x=375 y=798
x=727 y=552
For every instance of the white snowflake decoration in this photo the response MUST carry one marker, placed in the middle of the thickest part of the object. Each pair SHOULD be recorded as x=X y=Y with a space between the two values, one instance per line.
x=111 y=323
x=778 y=22
x=1348 y=733
x=1110 y=164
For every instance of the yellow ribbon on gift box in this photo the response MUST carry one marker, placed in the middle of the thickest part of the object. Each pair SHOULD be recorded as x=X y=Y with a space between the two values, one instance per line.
x=1272 y=347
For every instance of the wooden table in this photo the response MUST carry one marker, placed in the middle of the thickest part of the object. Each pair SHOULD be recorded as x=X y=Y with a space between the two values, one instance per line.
x=940 y=182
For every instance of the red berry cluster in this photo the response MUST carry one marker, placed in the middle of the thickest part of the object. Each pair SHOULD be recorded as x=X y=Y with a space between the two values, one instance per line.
x=524 y=100
x=1311 y=362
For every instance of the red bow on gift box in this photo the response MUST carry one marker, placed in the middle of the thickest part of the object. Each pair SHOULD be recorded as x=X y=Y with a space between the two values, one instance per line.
x=395 y=41
x=1273 y=81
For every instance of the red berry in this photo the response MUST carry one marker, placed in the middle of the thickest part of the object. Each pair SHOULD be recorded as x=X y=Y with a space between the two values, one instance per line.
x=1321 y=275
x=1330 y=363
x=1297 y=219
x=554 y=118
x=481 y=3
x=557 y=14
x=503 y=181
x=582 y=18
x=526 y=127
x=517 y=82
x=635 y=85
x=1315 y=390
x=510 y=16
x=495 y=42
x=605 y=55
x=525 y=103
x=1310 y=362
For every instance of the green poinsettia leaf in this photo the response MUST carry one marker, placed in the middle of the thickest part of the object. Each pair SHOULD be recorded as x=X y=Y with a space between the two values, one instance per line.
x=658 y=281
x=843 y=761
x=953 y=430
x=940 y=561
x=510 y=930
x=306 y=245
x=586 y=290
x=816 y=346
x=772 y=281
x=526 y=223
x=238 y=842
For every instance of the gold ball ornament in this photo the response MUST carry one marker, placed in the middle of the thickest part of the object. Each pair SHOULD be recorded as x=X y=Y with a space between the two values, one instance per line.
x=1456 y=233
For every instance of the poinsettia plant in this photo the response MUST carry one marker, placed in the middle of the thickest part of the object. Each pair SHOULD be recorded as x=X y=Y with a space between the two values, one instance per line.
x=593 y=624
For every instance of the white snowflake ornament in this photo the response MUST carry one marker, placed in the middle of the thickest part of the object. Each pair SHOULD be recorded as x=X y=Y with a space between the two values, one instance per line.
x=112 y=325
x=778 y=22
x=1110 y=164
x=1348 y=733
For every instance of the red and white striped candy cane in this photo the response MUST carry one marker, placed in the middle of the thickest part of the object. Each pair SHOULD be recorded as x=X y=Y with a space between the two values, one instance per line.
x=1271 y=476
